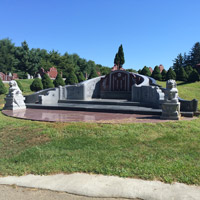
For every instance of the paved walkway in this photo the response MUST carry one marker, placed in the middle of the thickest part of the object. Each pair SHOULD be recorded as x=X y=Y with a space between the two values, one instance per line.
x=76 y=116
x=106 y=186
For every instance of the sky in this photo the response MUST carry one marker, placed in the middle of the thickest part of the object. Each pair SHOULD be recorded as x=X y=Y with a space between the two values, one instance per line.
x=152 y=32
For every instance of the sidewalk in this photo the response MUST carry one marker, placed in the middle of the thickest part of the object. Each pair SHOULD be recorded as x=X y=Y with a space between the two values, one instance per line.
x=106 y=186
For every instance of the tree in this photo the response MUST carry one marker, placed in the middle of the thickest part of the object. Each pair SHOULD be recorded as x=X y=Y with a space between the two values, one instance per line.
x=58 y=81
x=36 y=85
x=145 y=71
x=195 y=54
x=194 y=76
x=80 y=77
x=20 y=85
x=71 y=78
x=8 y=60
x=93 y=74
x=182 y=76
x=164 y=74
x=119 y=57
x=171 y=74
x=156 y=74
x=46 y=82
x=2 y=88
x=178 y=63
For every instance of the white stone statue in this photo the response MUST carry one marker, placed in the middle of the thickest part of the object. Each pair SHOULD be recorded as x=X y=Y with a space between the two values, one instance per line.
x=171 y=105
x=171 y=92
x=14 y=99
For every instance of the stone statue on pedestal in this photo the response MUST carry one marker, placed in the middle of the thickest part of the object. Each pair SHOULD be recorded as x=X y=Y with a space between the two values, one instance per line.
x=14 y=99
x=171 y=105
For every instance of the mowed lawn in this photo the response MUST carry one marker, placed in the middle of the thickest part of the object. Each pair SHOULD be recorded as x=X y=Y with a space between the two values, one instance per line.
x=167 y=151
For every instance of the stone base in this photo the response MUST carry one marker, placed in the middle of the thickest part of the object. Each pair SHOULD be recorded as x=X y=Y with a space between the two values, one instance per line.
x=170 y=111
x=14 y=104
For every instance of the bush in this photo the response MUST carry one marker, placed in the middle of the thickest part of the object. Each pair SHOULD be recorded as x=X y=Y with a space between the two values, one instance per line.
x=2 y=88
x=20 y=85
x=194 y=76
x=58 y=81
x=164 y=74
x=36 y=85
x=145 y=71
x=182 y=76
x=47 y=82
x=71 y=78
x=156 y=74
x=80 y=77
x=93 y=74
x=171 y=74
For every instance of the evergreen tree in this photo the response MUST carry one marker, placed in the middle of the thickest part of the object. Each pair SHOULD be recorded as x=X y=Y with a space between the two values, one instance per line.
x=20 y=85
x=188 y=70
x=93 y=74
x=58 y=81
x=36 y=85
x=2 y=87
x=171 y=74
x=46 y=82
x=195 y=54
x=194 y=76
x=71 y=78
x=182 y=76
x=119 y=57
x=145 y=71
x=164 y=74
x=178 y=63
x=80 y=77
x=156 y=74
x=139 y=71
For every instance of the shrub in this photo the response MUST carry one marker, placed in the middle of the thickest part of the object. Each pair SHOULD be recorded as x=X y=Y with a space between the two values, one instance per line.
x=164 y=74
x=194 y=76
x=2 y=88
x=93 y=74
x=145 y=71
x=20 y=85
x=71 y=78
x=47 y=82
x=58 y=81
x=36 y=85
x=80 y=77
x=156 y=74
x=171 y=74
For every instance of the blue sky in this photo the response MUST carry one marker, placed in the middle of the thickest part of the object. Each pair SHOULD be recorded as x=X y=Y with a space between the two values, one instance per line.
x=152 y=32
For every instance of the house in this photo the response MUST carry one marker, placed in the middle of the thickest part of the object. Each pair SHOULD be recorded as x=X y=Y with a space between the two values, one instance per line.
x=9 y=77
x=52 y=73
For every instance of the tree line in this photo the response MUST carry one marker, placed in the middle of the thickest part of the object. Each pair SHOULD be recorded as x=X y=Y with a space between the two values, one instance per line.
x=23 y=60
x=185 y=67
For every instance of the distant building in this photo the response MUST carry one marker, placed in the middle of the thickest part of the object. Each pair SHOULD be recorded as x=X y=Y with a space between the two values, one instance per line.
x=151 y=70
x=52 y=73
x=9 y=77
x=161 y=67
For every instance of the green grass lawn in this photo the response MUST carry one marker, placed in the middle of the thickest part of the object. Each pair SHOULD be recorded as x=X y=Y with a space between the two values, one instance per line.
x=165 y=151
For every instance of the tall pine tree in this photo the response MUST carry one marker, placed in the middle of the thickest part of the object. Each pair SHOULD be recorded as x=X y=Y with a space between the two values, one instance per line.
x=119 y=57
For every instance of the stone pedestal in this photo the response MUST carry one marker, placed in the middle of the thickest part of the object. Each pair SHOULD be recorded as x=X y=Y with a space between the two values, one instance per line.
x=14 y=99
x=170 y=111
x=171 y=105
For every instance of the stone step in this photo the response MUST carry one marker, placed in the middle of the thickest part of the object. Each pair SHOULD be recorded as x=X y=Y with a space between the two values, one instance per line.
x=98 y=108
x=121 y=102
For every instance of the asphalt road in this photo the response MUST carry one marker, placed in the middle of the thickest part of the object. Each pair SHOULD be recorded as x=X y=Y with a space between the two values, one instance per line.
x=20 y=193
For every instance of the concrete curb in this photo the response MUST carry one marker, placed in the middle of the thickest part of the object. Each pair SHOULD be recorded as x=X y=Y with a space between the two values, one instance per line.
x=106 y=186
